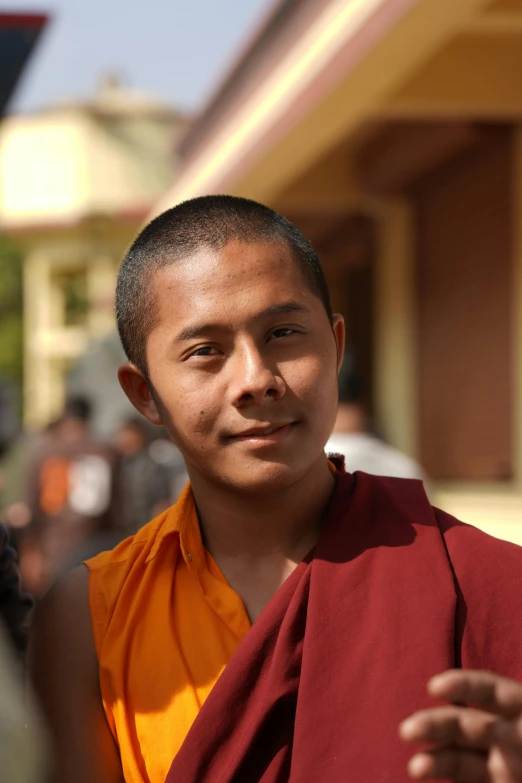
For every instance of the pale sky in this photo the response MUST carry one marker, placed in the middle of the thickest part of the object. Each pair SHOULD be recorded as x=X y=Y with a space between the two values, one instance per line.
x=176 y=49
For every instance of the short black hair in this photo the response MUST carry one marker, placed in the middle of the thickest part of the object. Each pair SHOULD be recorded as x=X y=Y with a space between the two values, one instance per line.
x=207 y=221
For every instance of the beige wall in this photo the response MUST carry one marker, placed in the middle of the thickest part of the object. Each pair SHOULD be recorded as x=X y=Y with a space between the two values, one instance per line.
x=76 y=182
x=61 y=165
x=494 y=507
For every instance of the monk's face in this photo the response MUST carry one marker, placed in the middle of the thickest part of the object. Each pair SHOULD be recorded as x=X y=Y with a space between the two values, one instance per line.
x=243 y=363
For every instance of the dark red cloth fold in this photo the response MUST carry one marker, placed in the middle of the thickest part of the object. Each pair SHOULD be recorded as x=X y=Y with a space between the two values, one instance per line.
x=343 y=651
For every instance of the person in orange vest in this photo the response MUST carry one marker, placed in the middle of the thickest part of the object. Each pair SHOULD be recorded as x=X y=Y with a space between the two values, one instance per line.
x=73 y=496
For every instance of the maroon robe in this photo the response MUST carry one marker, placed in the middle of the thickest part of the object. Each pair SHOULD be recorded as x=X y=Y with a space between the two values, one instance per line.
x=393 y=593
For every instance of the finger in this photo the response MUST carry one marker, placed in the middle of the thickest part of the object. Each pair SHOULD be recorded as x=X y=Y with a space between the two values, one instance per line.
x=489 y=691
x=504 y=765
x=459 y=766
x=508 y=733
x=456 y=726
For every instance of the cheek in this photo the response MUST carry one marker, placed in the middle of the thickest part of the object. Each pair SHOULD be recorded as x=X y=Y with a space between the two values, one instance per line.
x=316 y=390
x=191 y=406
x=313 y=379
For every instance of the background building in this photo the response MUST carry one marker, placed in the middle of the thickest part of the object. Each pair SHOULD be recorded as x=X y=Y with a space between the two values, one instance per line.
x=76 y=182
x=390 y=131
x=19 y=35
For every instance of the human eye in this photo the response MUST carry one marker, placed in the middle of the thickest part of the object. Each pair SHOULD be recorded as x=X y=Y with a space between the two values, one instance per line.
x=282 y=331
x=204 y=351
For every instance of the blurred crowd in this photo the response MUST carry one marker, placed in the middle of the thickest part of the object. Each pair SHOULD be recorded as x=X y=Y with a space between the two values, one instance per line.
x=66 y=495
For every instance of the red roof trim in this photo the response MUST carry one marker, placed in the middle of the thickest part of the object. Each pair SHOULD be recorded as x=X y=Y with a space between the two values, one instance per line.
x=261 y=27
x=23 y=20
x=371 y=31
x=250 y=62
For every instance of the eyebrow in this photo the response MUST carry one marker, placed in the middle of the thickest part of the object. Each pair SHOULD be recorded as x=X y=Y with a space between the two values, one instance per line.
x=191 y=332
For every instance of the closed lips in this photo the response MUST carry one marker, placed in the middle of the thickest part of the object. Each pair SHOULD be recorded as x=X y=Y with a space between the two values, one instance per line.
x=260 y=431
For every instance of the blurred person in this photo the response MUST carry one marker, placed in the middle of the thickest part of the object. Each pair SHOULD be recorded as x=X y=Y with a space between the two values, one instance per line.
x=151 y=477
x=22 y=744
x=148 y=474
x=164 y=452
x=14 y=467
x=15 y=604
x=284 y=617
x=73 y=495
x=353 y=439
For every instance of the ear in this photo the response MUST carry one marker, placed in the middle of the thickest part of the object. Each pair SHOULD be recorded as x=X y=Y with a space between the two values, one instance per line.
x=339 y=331
x=135 y=386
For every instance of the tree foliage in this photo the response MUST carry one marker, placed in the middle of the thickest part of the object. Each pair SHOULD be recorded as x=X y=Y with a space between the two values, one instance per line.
x=11 y=319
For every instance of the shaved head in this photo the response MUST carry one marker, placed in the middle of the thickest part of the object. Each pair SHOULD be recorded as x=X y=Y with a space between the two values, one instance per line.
x=205 y=222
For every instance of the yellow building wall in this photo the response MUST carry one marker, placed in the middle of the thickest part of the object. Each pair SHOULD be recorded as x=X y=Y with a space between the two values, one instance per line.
x=43 y=172
x=76 y=182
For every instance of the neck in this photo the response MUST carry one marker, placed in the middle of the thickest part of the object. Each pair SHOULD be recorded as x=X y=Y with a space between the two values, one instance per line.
x=256 y=526
x=258 y=539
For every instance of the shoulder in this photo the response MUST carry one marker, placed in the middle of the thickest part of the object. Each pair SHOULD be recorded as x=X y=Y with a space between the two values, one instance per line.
x=60 y=641
x=67 y=601
x=128 y=550
x=469 y=545
x=406 y=495
x=113 y=576
x=487 y=574
x=63 y=666
x=478 y=558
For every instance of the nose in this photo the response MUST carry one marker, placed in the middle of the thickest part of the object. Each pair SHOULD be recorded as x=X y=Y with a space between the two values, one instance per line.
x=254 y=378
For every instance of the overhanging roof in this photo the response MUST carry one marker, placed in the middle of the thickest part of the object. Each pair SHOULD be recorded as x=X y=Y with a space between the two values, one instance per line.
x=304 y=49
x=19 y=34
x=319 y=72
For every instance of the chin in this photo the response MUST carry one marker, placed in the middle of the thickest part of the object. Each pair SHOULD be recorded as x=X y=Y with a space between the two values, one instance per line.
x=265 y=478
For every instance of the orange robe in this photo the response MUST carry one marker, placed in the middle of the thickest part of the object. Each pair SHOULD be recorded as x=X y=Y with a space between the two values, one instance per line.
x=394 y=592
x=166 y=623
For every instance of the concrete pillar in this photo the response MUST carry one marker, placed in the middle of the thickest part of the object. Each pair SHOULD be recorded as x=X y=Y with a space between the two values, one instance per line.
x=517 y=311
x=395 y=348
x=38 y=321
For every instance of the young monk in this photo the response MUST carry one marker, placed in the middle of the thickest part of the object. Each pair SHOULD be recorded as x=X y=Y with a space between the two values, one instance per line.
x=284 y=618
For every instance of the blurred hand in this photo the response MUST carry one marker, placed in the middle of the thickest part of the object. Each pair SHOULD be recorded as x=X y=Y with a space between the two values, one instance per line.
x=480 y=743
x=17 y=515
x=32 y=569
